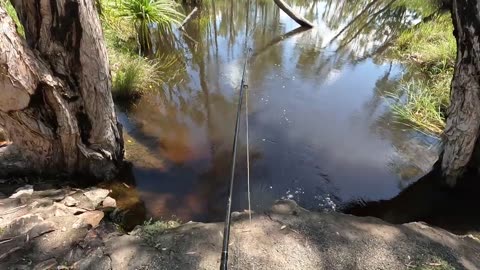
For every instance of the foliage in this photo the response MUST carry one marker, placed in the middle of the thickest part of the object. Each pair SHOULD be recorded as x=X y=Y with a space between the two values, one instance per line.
x=431 y=48
x=147 y=14
x=431 y=43
x=151 y=229
x=133 y=76
x=13 y=14
x=421 y=106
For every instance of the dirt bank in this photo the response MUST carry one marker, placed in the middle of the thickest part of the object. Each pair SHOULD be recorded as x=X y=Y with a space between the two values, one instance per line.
x=68 y=229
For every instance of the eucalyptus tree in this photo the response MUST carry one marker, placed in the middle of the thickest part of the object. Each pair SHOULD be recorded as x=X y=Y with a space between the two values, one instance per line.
x=56 y=108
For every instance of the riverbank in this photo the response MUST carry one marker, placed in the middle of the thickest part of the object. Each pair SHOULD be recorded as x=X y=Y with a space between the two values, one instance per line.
x=72 y=229
x=428 y=51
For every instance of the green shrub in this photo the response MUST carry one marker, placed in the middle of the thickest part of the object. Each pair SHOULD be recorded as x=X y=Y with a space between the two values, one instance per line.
x=151 y=229
x=145 y=14
x=431 y=44
x=133 y=77
x=421 y=106
x=430 y=49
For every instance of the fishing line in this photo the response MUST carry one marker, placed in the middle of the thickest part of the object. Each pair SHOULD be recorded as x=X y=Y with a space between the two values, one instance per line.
x=248 y=158
x=243 y=90
x=228 y=218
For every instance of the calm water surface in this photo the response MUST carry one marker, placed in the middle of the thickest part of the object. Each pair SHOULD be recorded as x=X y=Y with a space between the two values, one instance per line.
x=320 y=127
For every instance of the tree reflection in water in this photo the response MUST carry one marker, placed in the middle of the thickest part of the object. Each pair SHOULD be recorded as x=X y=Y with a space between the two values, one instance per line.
x=189 y=124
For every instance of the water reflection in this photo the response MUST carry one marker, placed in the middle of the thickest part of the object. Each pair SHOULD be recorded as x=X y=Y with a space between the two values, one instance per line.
x=320 y=128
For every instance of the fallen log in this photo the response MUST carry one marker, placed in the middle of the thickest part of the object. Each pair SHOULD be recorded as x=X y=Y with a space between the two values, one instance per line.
x=295 y=16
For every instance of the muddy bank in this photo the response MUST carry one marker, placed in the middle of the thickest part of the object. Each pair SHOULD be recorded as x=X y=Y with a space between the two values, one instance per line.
x=73 y=229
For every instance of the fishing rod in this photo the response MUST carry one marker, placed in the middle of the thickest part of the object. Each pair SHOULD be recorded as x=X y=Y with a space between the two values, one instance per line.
x=228 y=217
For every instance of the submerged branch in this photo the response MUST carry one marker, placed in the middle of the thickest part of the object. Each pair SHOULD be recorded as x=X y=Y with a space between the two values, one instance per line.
x=188 y=17
x=295 y=16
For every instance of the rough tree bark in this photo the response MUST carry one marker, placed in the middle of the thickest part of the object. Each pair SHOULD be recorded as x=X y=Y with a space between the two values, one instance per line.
x=463 y=122
x=56 y=106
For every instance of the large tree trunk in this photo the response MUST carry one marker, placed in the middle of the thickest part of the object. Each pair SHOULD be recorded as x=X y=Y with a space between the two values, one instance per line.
x=56 y=106
x=463 y=122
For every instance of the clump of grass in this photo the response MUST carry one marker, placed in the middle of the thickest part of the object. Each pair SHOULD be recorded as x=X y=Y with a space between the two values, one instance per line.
x=421 y=107
x=145 y=14
x=151 y=229
x=134 y=76
x=430 y=48
x=429 y=44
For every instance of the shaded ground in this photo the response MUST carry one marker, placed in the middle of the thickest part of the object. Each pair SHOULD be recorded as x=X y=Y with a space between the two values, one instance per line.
x=66 y=229
x=431 y=200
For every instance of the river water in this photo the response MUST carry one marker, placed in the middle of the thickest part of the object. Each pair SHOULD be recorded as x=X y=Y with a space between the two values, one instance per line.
x=321 y=132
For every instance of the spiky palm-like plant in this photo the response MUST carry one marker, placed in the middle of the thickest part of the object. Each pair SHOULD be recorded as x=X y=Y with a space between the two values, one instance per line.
x=147 y=14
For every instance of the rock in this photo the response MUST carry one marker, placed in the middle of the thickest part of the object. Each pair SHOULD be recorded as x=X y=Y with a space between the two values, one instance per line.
x=109 y=203
x=91 y=240
x=26 y=190
x=46 y=265
x=70 y=201
x=83 y=202
x=96 y=195
x=57 y=243
x=41 y=229
x=95 y=260
x=130 y=252
x=92 y=218
x=74 y=255
x=52 y=194
x=284 y=207
x=21 y=225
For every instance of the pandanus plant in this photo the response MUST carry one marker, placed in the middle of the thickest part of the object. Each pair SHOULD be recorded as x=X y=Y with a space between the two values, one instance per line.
x=149 y=14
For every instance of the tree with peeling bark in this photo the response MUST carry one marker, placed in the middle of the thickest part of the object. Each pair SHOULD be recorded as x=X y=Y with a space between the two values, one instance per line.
x=56 y=108
x=462 y=149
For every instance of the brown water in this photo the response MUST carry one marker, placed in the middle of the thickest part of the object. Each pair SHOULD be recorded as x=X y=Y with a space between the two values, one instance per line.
x=320 y=127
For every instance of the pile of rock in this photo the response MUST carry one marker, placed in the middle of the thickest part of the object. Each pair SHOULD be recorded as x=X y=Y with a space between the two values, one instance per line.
x=53 y=229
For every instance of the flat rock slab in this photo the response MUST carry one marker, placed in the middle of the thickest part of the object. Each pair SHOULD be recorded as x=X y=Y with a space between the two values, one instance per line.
x=22 y=191
x=292 y=238
x=45 y=232
x=46 y=265
x=42 y=228
x=95 y=260
x=92 y=218
x=109 y=203
x=96 y=195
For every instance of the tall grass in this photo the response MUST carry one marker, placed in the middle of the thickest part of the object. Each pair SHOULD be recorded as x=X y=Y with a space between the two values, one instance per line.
x=431 y=43
x=148 y=14
x=420 y=107
x=133 y=76
x=430 y=49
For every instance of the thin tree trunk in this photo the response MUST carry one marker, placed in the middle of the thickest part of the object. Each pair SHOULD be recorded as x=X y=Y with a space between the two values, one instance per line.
x=292 y=14
x=463 y=121
x=56 y=106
